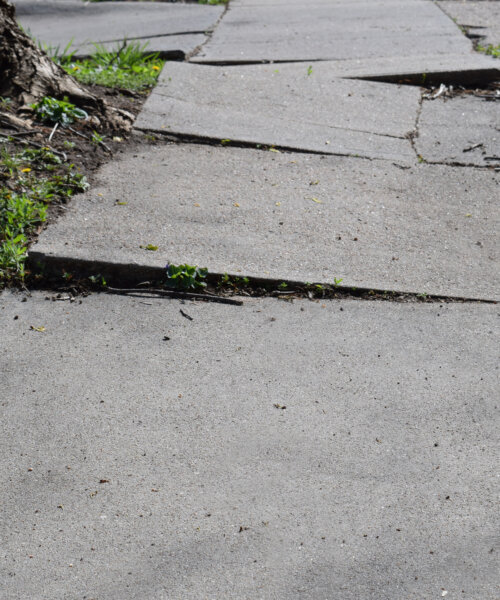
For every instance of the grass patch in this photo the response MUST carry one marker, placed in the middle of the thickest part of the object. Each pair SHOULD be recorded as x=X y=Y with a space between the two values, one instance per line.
x=490 y=50
x=126 y=66
x=29 y=181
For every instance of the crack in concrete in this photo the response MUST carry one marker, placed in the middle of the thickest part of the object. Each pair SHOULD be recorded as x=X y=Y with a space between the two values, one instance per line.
x=156 y=35
x=416 y=132
x=313 y=123
x=180 y=138
x=208 y=33
x=49 y=269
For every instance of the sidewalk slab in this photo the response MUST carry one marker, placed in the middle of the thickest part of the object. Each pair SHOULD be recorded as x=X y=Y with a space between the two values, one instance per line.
x=471 y=69
x=429 y=229
x=85 y=23
x=481 y=18
x=140 y=468
x=460 y=130
x=254 y=31
x=296 y=108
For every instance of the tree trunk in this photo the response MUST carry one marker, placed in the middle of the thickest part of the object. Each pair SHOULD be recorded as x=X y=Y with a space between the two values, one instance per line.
x=27 y=74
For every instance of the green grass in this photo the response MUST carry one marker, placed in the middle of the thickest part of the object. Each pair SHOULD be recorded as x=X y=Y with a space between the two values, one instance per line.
x=126 y=66
x=490 y=50
x=29 y=181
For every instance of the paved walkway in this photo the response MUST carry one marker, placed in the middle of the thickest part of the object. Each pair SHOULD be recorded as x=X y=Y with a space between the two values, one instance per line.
x=174 y=30
x=278 y=450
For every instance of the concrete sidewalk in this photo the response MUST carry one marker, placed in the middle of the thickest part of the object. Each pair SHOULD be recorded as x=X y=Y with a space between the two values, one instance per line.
x=171 y=29
x=160 y=449
x=276 y=450
x=292 y=30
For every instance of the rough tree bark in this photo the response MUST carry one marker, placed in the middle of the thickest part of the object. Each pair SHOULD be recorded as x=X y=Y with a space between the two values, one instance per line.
x=27 y=74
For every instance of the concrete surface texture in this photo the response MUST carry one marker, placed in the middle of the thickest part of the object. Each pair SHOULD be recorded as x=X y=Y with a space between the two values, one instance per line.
x=314 y=450
x=480 y=18
x=84 y=23
x=139 y=468
x=460 y=130
x=298 y=108
x=253 y=30
x=293 y=216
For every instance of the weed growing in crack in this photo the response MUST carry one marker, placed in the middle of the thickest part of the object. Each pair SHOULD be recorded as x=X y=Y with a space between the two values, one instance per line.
x=185 y=276
x=232 y=283
x=490 y=50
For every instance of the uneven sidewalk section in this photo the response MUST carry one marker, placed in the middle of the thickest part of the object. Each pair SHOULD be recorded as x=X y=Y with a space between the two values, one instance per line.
x=276 y=450
x=298 y=107
x=481 y=18
x=319 y=108
x=171 y=29
x=427 y=229
x=460 y=130
x=291 y=30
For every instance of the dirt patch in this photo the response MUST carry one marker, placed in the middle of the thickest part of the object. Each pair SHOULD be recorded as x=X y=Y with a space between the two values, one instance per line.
x=86 y=144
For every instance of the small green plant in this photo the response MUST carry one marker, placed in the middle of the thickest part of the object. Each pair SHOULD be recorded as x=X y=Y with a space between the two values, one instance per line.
x=234 y=282
x=51 y=110
x=96 y=138
x=5 y=103
x=97 y=279
x=186 y=276
x=491 y=50
x=283 y=285
x=309 y=70
x=337 y=282
x=213 y=2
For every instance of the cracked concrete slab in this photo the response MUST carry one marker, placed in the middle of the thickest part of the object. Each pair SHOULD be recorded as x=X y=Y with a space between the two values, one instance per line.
x=425 y=229
x=254 y=31
x=463 y=129
x=472 y=69
x=480 y=18
x=136 y=468
x=173 y=47
x=159 y=24
x=298 y=107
